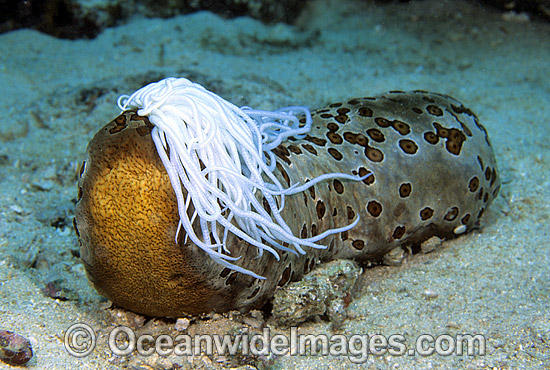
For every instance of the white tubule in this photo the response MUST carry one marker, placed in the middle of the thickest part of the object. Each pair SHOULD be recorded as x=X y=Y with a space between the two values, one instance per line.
x=220 y=153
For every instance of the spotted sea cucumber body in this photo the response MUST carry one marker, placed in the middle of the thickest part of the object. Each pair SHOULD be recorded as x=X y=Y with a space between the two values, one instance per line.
x=433 y=173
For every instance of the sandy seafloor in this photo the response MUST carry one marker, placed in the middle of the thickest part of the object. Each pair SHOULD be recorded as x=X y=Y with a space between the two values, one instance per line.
x=56 y=94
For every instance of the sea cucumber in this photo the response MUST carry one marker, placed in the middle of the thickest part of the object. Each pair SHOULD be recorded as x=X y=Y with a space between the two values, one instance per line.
x=433 y=174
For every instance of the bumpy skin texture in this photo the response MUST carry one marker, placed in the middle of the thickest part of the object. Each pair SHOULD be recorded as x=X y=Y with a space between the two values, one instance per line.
x=434 y=173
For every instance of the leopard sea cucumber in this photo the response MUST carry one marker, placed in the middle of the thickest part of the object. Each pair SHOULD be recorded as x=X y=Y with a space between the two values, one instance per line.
x=426 y=167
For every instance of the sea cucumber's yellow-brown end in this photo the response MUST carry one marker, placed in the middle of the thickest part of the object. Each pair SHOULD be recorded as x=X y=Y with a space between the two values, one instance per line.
x=126 y=220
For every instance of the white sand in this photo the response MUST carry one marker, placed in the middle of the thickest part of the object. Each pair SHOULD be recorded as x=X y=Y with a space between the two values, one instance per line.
x=494 y=282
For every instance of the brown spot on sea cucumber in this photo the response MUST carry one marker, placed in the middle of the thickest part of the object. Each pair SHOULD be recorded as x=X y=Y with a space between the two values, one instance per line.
x=374 y=208
x=332 y=126
x=426 y=213
x=282 y=152
x=374 y=154
x=316 y=140
x=344 y=235
x=334 y=137
x=431 y=137
x=266 y=206
x=283 y=172
x=488 y=173
x=341 y=118
x=363 y=172
x=408 y=146
x=451 y=214
x=231 y=279
x=320 y=208
x=455 y=138
x=335 y=154
x=313 y=230
x=365 y=112
x=338 y=186
x=382 y=122
x=358 y=244
x=311 y=190
x=376 y=135
x=285 y=277
x=401 y=127
x=350 y=213
x=399 y=232
x=294 y=149
x=405 y=190
x=473 y=184
x=480 y=161
x=434 y=110
x=254 y=292
x=309 y=148
x=350 y=137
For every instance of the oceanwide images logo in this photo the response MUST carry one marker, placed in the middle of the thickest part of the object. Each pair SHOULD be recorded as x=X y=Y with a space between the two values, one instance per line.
x=80 y=341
